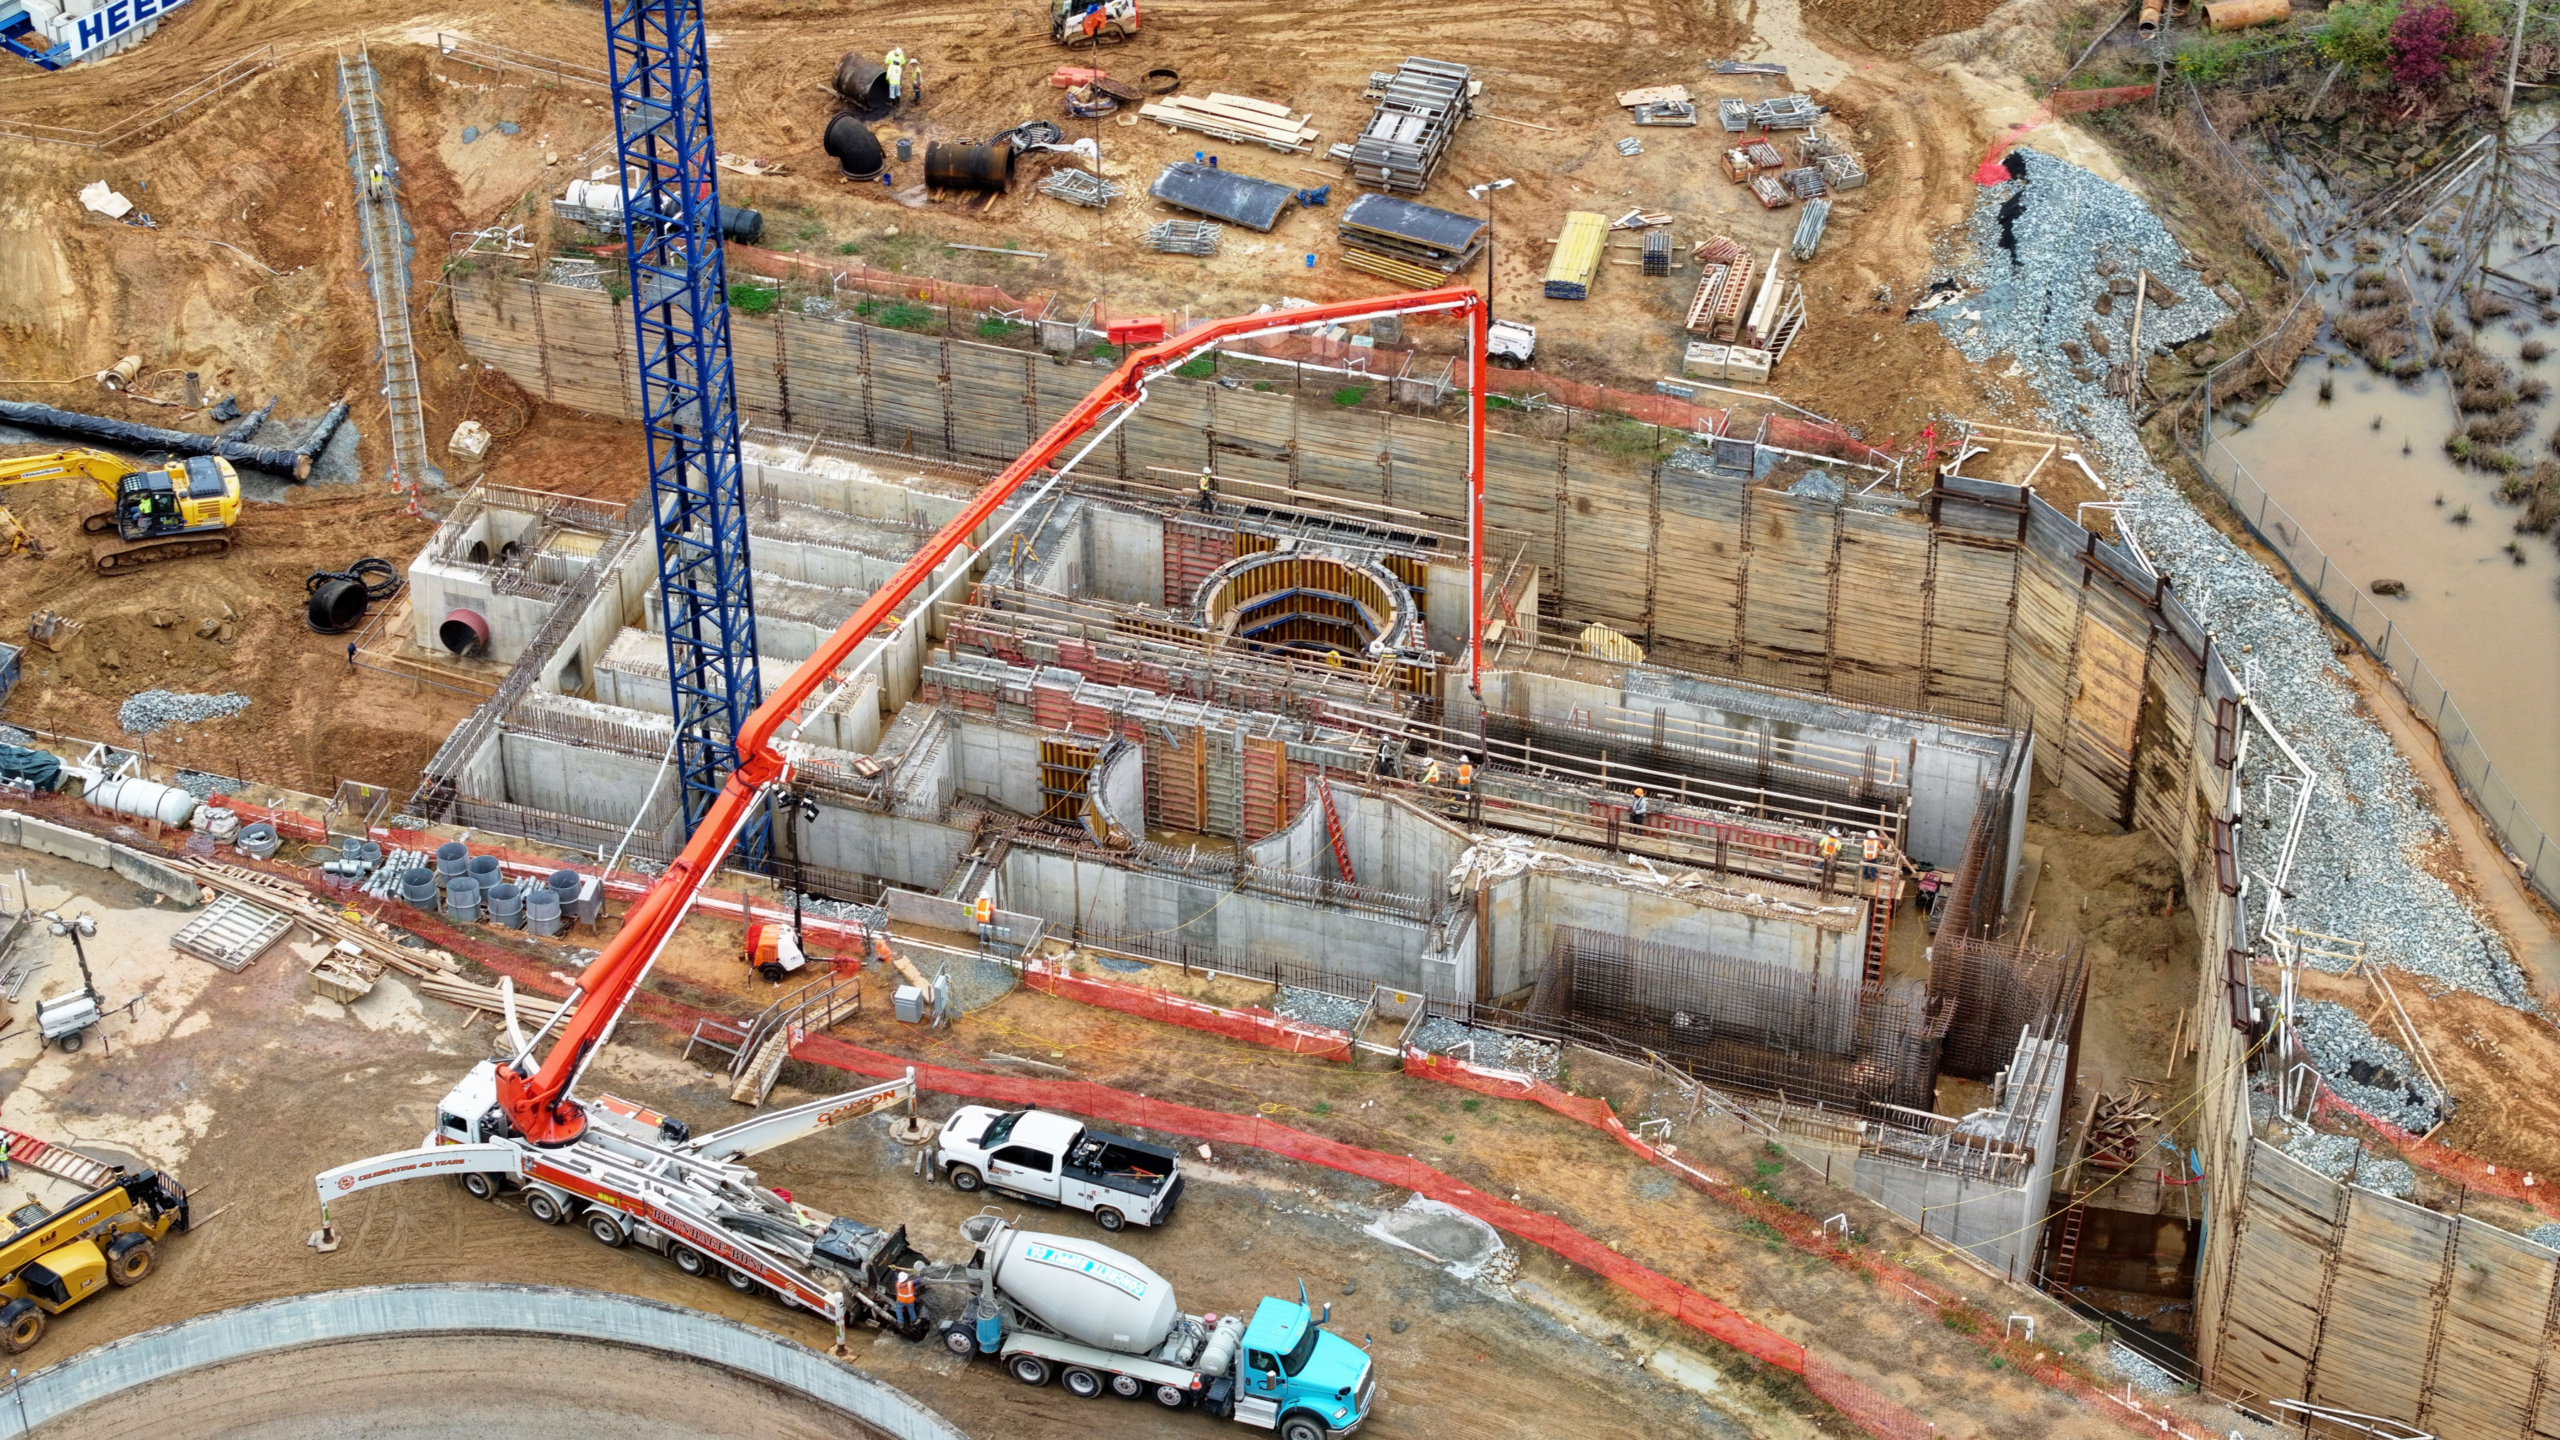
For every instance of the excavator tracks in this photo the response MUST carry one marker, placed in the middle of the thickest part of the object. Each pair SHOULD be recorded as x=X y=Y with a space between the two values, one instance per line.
x=122 y=557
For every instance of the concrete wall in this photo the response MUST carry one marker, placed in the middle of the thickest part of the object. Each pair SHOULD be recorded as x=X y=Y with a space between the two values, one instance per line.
x=1262 y=930
x=999 y=763
x=632 y=674
x=1123 y=555
x=47 y=838
x=1615 y=909
x=1119 y=791
x=572 y=779
x=1998 y=1219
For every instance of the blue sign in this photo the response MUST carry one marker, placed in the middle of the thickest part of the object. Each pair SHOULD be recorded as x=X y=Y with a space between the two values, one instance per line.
x=115 y=18
x=1110 y=1275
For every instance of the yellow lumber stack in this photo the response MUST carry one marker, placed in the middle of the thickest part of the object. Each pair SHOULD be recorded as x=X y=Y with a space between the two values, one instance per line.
x=1578 y=256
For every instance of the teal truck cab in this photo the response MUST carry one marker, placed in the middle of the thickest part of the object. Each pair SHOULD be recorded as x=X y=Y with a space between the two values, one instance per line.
x=1047 y=1307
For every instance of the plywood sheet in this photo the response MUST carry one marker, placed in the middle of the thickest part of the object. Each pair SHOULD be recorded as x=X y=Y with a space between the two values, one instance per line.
x=2493 y=1318
x=1254 y=436
x=1698 y=597
x=1607 y=536
x=2381 y=1306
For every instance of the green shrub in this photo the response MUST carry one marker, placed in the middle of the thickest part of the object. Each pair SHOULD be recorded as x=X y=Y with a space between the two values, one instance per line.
x=996 y=327
x=906 y=315
x=753 y=299
x=1200 y=369
x=1350 y=395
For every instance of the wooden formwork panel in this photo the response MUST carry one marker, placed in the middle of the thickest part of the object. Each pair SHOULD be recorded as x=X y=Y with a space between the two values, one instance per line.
x=1786 y=620
x=2272 y=1314
x=2390 y=1258
x=830 y=383
x=1879 y=635
x=2165 y=771
x=1520 y=479
x=1254 y=436
x=1193 y=549
x=2044 y=632
x=2097 y=752
x=498 y=325
x=1168 y=431
x=988 y=385
x=756 y=351
x=1607 y=537
x=1702 y=561
x=1969 y=603
x=2492 y=1335
x=1344 y=454
x=1264 y=771
x=1060 y=387
x=1427 y=467
x=906 y=394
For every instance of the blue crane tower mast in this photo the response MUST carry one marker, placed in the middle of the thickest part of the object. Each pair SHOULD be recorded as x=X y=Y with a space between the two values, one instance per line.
x=688 y=404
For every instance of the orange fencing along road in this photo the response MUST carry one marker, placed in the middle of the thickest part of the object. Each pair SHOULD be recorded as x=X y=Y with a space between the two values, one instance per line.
x=2522 y=1186
x=1253 y=1025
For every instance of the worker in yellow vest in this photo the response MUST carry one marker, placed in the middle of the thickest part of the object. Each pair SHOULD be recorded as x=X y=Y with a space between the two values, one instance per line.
x=896 y=66
x=1431 y=773
x=1208 y=501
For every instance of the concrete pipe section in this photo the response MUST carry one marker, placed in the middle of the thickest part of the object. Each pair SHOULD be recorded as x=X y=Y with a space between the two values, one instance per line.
x=464 y=632
x=384 y=1361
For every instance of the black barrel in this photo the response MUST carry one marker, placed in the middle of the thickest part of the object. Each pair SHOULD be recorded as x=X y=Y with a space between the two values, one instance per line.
x=337 y=603
x=741 y=224
x=855 y=148
x=863 y=86
x=968 y=167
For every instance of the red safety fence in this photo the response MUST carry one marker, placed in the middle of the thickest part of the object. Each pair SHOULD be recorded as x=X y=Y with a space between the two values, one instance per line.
x=1822 y=437
x=1253 y=1025
x=2061 y=102
x=1102 y=1102
x=2522 y=1186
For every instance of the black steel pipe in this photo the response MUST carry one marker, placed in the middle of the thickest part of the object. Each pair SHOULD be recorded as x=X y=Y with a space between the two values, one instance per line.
x=293 y=463
x=950 y=166
x=855 y=148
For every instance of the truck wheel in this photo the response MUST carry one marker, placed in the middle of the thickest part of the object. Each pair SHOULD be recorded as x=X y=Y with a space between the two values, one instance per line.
x=740 y=1281
x=1029 y=1369
x=1109 y=1219
x=21 y=1326
x=1081 y=1383
x=1171 y=1397
x=1128 y=1387
x=966 y=1179
x=128 y=1263
x=1302 y=1427
x=771 y=970
x=690 y=1261
x=960 y=1342
x=606 y=1226
x=542 y=1207
x=479 y=1186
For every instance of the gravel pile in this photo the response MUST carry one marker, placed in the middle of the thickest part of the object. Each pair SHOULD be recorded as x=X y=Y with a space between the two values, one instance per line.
x=204 y=785
x=2546 y=1233
x=2146 y=1377
x=2353 y=877
x=2367 y=1071
x=2342 y=1156
x=12 y=735
x=1436 y=1035
x=153 y=709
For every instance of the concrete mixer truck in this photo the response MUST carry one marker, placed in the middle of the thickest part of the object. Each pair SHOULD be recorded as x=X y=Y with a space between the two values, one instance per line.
x=1048 y=1307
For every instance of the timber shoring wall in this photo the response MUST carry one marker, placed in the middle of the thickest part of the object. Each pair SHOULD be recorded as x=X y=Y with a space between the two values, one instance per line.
x=2353 y=1300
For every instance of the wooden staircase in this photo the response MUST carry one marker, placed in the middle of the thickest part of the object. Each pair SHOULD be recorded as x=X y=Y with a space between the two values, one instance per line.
x=816 y=1006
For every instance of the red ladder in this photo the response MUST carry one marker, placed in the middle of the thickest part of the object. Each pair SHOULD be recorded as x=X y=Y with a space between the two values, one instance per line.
x=1333 y=831
x=2066 y=1250
x=52 y=1159
x=1888 y=883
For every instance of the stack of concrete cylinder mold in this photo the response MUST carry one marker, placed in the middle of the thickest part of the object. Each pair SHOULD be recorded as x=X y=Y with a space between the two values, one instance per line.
x=470 y=887
x=357 y=861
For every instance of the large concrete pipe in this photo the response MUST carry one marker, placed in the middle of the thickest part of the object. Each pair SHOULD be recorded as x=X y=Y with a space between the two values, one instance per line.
x=968 y=167
x=2148 y=23
x=2241 y=14
x=464 y=632
x=855 y=148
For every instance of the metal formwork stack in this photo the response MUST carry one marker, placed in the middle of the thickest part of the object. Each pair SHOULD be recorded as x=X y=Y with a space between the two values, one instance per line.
x=1817 y=213
x=1080 y=187
x=1786 y=112
x=1408 y=135
x=1184 y=237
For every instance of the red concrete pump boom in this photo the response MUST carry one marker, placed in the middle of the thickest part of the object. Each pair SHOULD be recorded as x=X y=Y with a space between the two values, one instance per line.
x=539 y=1104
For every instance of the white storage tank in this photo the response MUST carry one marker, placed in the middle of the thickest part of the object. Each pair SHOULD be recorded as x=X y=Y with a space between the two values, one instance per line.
x=142 y=799
x=1089 y=1293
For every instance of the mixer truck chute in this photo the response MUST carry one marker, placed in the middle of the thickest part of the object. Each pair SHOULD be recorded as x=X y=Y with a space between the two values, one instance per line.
x=1095 y=1320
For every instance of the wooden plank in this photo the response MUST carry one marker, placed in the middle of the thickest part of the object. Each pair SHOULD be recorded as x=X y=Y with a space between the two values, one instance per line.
x=1877 y=639
x=2098 y=742
x=2381 y=1305
x=1786 y=622
x=1606 y=535
x=2044 y=635
x=2271 y=1315
x=1703 y=557
x=1969 y=616
x=2493 y=1314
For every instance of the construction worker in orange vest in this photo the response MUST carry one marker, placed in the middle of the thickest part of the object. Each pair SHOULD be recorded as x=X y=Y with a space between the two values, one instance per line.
x=1830 y=848
x=1640 y=809
x=906 y=1299
x=1870 y=848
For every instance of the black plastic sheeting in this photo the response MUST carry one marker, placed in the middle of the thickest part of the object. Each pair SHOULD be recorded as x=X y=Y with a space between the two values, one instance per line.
x=294 y=463
x=1442 y=230
x=1223 y=194
x=247 y=425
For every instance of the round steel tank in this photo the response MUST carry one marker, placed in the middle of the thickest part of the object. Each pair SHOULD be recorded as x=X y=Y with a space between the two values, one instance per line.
x=142 y=799
x=968 y=167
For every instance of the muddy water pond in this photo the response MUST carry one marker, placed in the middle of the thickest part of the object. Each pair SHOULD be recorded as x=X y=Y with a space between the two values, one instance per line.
x=2367 y=475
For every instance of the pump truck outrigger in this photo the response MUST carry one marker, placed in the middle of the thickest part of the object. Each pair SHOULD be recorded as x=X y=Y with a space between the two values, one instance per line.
x=607 y=1162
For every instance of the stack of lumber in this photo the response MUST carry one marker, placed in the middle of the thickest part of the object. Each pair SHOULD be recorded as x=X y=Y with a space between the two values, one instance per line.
x=1577 y=257
x=454 y=990
x=1412 y=244
x=1240 y=118
x=315 y=914
x=1408 y=135
x=1716 y=311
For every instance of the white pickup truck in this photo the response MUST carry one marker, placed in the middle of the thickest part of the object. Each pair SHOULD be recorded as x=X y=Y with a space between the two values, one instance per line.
x=1052 y=1160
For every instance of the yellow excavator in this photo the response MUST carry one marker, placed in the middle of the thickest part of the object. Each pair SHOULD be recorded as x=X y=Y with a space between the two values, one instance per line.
x=152 y=512
x=53 y=1260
